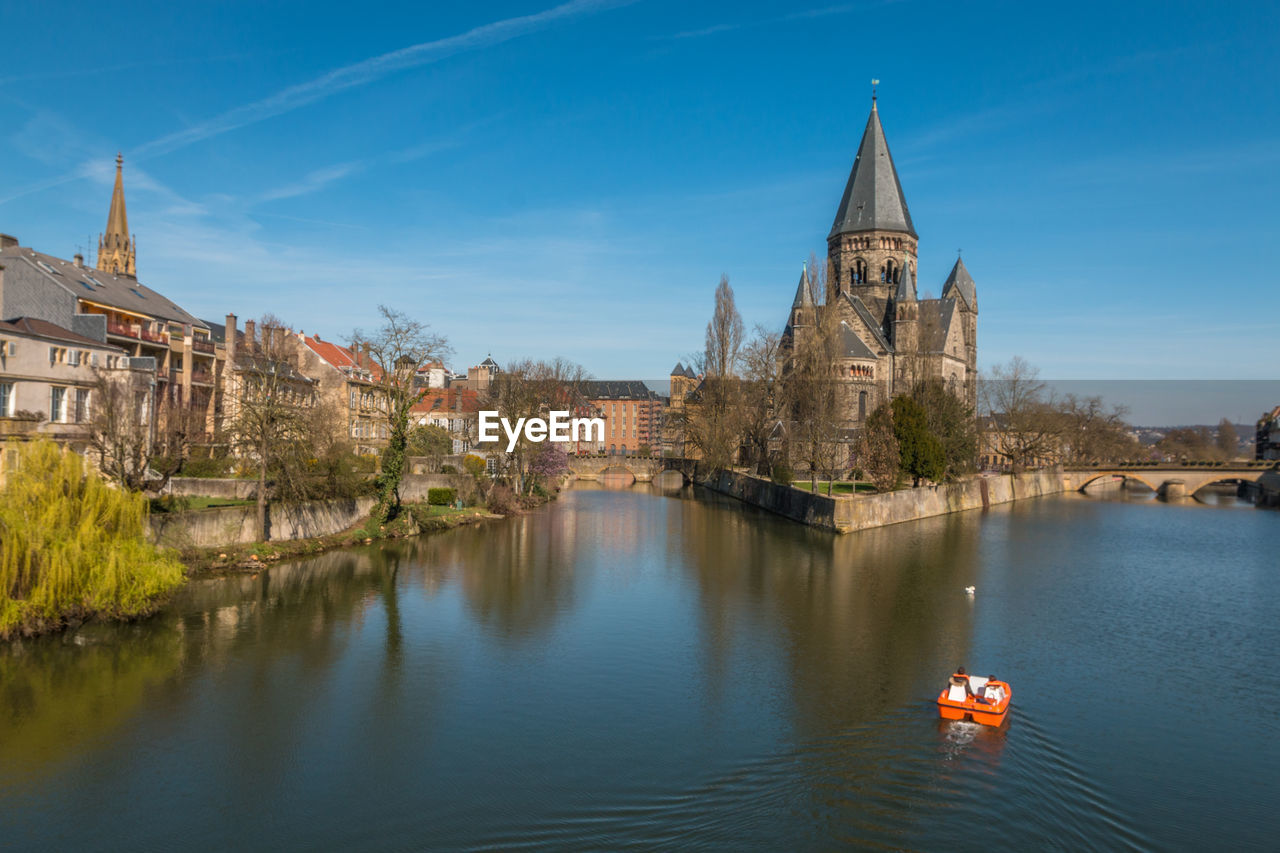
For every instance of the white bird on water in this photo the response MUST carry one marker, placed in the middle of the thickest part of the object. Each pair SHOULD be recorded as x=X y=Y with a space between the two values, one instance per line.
x=970 y=589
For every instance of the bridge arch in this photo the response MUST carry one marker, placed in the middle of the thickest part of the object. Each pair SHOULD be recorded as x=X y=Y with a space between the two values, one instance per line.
x=1093 y=477
x=617 y=475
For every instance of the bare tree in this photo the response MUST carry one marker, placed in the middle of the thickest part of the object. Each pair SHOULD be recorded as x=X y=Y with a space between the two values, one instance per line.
x=532 y=389
x=711 y=419
x=1093 y=433
x=270 y=403
x=398 y=349
x=132 y=445
x=761 y=397
x=1022 y=417
x=815 y=399
x=878 y=454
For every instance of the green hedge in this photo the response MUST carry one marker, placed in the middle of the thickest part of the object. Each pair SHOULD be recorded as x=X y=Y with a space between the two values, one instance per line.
x=441 y=497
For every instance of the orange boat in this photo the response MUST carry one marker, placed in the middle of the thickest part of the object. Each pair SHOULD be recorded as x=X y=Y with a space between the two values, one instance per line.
x=981 y=699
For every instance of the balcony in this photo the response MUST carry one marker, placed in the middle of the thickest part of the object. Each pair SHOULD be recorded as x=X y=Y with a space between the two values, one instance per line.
x=123 y=330
x=202 y=346
x=154 y=337
x=202 y=377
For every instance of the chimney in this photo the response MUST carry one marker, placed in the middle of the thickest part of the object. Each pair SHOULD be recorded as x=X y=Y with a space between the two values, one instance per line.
x=8 y=241
x=79 y=259
x=251 y=335
x=231 y=338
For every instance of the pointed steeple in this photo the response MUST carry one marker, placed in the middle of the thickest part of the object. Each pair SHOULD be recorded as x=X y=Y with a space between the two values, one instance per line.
x=678 y=370
x=873 y=199
x=115 y=247
x=804 y=291
x=906 y=291
x=960 y=283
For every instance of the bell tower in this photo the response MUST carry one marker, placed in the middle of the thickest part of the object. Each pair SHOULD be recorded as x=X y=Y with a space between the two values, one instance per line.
x=116 y=246
x=872 y=243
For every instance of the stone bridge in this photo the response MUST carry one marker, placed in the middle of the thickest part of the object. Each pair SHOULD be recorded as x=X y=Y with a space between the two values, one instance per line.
x=625 y=470
x=1170 y=480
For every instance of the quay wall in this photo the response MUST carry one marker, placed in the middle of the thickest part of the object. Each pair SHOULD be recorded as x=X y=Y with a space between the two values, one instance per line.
x=238 y=525
x=847 y=514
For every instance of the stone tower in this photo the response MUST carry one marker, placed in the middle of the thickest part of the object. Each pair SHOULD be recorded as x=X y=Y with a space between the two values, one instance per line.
x=116 y=246
x=872 y=240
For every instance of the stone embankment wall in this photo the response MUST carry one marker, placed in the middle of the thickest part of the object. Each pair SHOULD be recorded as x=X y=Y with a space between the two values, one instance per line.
x=238 y=525
x=847 y=514
x=1265 y=492
x=228 y=488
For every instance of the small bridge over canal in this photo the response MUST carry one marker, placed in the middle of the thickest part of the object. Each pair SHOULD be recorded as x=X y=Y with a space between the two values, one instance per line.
x=1169 y=480
x=625 y=470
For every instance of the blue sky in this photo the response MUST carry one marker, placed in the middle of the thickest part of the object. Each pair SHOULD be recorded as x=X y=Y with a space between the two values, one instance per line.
x=538 y=180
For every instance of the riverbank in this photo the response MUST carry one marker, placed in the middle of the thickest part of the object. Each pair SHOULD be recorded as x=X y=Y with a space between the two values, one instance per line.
x=848 y=513
x=418 y=519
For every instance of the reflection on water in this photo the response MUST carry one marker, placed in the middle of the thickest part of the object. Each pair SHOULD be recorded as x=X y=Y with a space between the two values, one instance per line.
x=631 y=669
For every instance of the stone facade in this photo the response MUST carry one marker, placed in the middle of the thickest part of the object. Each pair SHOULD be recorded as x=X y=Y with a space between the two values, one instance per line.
x=889 y=337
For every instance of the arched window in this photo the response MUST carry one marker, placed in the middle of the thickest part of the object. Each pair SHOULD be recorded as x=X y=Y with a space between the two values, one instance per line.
x=858 y=275
x=889 y=272
x=862 y=405
x=884 y=273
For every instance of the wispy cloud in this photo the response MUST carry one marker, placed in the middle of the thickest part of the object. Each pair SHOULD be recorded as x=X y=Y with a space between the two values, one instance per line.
x=804 y=14
x=369 y=70
x=313 y=181
x=341 y=79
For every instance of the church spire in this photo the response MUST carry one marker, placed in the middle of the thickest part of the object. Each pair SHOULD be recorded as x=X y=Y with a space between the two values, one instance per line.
x=873 y=199
x=115 y=247
x=804 y=291
x=961 y=283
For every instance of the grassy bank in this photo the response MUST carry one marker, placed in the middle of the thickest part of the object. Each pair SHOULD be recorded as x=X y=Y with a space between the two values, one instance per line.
x=839 y=488
x=415 y=520
x=72 y=547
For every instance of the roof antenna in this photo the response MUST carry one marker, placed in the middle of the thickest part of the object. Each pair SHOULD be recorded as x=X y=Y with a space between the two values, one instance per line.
x=874 y=83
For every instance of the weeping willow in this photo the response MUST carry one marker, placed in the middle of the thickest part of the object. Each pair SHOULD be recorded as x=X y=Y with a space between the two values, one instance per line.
x=72 y=547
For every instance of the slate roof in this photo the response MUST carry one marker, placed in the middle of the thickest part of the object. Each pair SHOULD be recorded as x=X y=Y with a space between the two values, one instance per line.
x=678 y=370
x=44 y=329
x=804 y=292
x=906 y=291
x=864 y=314
x=873 y=198
x=851 y=346
x=935 y=323
x=688 y=372
x=116 y=291
x=959 y=281
x=614 y=389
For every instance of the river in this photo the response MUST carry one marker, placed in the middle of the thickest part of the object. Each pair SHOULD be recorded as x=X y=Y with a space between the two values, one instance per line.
x=624 y=669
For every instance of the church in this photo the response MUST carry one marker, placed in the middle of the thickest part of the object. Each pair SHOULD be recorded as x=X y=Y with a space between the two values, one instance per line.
x=889 y=338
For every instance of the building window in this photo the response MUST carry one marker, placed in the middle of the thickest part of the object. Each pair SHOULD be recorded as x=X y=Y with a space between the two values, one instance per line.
x=57 y=404
x=6 y=399
x=82 y=405
x=862 y=405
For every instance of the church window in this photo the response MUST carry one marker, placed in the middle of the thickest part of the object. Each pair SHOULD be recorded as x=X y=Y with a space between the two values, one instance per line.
x=862 y=405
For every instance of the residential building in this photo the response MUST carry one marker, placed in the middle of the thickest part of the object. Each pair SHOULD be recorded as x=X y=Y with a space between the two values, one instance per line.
x=632 y=415
x=109 y=303
x=455 y=409
x=47 y=380
x=347 y=382
x=1267 y=441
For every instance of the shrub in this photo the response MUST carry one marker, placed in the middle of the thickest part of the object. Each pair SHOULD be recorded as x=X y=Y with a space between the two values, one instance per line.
x=441 y=497
x=72 y=546
x=502 y=500
x=782 y=474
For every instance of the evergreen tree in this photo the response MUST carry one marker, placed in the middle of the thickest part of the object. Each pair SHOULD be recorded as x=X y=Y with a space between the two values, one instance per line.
x=920 y=452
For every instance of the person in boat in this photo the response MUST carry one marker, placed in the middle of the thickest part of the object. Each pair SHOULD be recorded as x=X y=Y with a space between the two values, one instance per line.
x=962 y=680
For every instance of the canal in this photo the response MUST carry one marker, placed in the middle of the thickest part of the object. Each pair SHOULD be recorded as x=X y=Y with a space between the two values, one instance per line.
x=624 y=669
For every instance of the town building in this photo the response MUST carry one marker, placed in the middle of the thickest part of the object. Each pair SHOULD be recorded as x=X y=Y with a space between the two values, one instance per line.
x=632 y=416
x=108 y=303
x=347 y=385
x=456 y=409
x=1267 y=439
x=889 y=338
